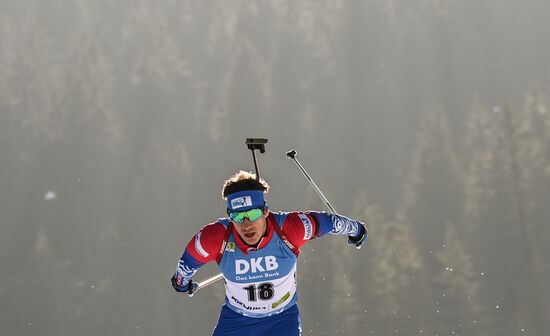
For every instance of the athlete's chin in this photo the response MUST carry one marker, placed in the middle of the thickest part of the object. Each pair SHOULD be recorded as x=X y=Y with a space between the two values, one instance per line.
x=251 y=240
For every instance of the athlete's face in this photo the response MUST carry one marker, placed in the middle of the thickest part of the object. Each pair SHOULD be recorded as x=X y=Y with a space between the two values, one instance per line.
x=252 y=232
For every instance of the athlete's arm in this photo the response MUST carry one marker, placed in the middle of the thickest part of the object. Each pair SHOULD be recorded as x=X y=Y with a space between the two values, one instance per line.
x=298 y=227
x=201 y=249
x=335 y=224
x=340 y=225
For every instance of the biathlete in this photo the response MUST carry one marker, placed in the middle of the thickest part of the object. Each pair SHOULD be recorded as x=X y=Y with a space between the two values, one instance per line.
x=256 y=251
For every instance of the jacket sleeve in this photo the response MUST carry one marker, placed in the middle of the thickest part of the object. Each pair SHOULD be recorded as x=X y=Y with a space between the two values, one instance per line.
x=334 y=224
x=299 y=228
x=201 y=249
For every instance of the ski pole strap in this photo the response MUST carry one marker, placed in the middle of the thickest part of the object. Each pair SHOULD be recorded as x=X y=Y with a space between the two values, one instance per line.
x=285 y=240
x=224 y=242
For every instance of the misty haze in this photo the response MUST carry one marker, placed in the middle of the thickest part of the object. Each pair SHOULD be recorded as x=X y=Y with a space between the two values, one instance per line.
x=429 y=120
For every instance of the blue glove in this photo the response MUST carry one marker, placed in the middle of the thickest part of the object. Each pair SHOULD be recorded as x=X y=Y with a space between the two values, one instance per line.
x=189 y=288
x=359 y=238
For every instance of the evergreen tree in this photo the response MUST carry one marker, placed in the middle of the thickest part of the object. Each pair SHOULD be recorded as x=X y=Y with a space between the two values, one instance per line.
x=533 y=132
x=392 y=274
x=496 y=206
x=433 y=197
x=460 y=302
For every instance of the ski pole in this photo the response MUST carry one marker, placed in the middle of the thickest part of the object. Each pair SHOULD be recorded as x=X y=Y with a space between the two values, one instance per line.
x=291 y=154
x=200 y=285
x=253 y=144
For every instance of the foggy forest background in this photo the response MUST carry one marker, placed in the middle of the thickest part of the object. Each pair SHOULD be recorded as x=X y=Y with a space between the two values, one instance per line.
x=428 y=119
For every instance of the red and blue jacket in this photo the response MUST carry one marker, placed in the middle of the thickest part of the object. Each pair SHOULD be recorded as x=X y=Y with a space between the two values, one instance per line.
x=260 y=281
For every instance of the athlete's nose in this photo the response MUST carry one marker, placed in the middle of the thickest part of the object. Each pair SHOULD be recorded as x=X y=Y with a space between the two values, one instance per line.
x=248 y=226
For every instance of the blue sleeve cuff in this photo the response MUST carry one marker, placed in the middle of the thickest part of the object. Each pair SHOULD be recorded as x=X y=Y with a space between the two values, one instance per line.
x=334 y=224
x=188 y=260
x=187 y=267
x=323 y=221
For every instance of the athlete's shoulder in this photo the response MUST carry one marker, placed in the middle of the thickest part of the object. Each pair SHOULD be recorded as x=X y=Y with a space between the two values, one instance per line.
x=204 y=246
x=298 y=226
x=216 y=228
